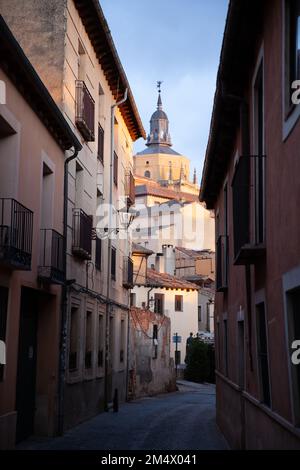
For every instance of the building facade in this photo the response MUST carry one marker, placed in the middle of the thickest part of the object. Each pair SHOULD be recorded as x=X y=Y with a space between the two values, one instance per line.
x=250 y=180
x=175 y=298
x=34 y=137
x=199 y=267
x=83 y=73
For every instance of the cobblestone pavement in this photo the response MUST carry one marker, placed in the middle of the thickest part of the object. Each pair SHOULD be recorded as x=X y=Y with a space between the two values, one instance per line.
x=183 y=420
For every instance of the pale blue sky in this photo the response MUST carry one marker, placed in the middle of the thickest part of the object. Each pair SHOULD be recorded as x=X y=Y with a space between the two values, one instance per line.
x=179 y=42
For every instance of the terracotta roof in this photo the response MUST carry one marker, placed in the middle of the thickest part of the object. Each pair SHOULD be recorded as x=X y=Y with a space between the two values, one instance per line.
x=99 y=33
x=149 y=189
x=140 y=249
x=194 y=253
x=198 y=278
x=156 y=279
x=144 y=179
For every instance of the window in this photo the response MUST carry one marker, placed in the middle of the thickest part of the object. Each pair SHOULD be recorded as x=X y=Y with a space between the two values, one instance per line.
x=3 y=320
x=88 y=340
x=241 y=354
x=178 y=303
x=147 y=174
x=159 y=303
x=293 y=309
x=100 y=342
x=116 y=169
x=199 y=313
x=133 y=299
x=155 y=341
x=100 y=152
x=225 y=343
x=74 y=328
x=98 y=254
x=259 y=163
x=292 y=41
x=113 y=263
x=262 y=353
x=47 y=197
x=79 y=177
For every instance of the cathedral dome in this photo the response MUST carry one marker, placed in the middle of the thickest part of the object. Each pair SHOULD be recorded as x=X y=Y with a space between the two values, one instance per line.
x=159 y=114
x=159 y=127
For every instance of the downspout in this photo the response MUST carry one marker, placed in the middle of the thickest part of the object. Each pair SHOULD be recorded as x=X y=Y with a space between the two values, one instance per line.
x=128 y=350
x=64 y=303
x=244 y=123
x=108 y=277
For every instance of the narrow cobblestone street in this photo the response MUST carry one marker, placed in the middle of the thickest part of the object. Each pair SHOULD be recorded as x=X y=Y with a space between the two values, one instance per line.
x=183 y=420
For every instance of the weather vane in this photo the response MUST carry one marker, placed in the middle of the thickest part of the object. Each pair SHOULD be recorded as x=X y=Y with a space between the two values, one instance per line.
x=159 y=85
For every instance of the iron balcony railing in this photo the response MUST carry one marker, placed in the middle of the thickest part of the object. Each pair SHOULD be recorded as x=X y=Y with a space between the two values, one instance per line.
x=82 y=234
x=16 y=228
x=129 y=189
x=241 y=204
x=85 y=111
x=222 y=263
x=127 y=272
x=51 y=265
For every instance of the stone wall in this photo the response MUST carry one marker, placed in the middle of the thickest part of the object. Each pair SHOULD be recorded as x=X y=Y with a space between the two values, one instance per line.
x=151 y=370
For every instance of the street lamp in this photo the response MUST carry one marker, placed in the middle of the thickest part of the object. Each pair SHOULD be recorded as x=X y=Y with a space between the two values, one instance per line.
x=126 y=217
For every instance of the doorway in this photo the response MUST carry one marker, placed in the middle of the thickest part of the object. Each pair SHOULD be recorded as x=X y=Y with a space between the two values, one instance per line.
x=27 y=360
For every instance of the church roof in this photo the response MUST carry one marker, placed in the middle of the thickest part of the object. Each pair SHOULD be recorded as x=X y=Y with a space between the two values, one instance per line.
x=149 y=189
x=157 y=148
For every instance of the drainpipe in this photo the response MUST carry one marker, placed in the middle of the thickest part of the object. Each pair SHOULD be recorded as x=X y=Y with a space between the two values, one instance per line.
x=108 y=273
x=64 y=302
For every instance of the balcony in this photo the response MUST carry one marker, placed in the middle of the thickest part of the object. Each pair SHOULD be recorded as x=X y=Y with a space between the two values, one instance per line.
x=82 y=234
x=85 y=111
x=127 y=273
x=129 y=189
x=245 y=251
x=51 y=266
x=222 y=264
x=16 y=227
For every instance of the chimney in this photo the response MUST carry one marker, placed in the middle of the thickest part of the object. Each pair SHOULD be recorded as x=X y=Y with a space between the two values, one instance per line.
x=195 y=176
x=159 y=263
x=169 y=259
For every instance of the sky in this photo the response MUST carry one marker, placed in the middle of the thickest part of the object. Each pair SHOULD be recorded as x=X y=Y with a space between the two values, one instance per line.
x=177 y=42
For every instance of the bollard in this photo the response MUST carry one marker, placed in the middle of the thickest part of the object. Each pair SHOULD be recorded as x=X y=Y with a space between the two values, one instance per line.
x=116 y=401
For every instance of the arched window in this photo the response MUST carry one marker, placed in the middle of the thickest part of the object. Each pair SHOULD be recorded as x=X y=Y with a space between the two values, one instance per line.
x=147 y=174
